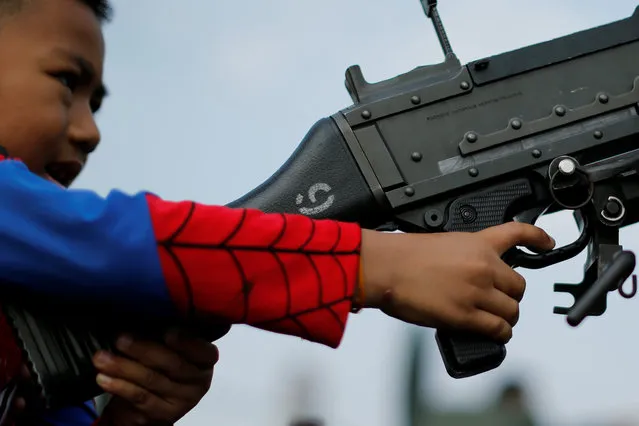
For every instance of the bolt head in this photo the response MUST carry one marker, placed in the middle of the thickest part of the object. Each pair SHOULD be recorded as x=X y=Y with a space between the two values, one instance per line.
x=516 y=124
x=613 y=208
x=567 y=166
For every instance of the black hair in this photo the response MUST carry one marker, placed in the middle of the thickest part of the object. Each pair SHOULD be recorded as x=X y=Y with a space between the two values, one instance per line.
x=101 y=8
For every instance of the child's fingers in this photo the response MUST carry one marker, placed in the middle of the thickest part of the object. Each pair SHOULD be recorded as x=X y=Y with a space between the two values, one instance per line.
x=198 y=352
x=491 y=325
x=10 y=417
x=130 y=371
x=145 y=401
x=159 y=358
x=19 y=404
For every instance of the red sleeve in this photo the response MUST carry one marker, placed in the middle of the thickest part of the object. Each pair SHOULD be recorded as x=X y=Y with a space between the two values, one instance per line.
x=284 y=273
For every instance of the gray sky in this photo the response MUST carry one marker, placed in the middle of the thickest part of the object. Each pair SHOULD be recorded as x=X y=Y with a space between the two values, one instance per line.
x=210 y=97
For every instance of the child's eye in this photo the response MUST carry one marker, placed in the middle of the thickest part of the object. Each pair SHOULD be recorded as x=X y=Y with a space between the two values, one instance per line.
x=68 y=79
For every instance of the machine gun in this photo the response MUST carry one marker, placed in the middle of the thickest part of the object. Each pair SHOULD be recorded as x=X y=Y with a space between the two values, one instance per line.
x=451 y=147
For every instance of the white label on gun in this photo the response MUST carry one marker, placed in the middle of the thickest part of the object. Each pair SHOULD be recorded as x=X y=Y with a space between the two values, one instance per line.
x=310 y=211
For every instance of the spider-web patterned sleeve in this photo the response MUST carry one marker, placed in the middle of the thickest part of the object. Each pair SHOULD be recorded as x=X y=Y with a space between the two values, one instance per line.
x=283 y=273
x=137 y=253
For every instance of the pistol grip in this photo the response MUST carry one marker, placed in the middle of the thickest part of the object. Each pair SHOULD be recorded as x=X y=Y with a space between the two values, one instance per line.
x=467 y=354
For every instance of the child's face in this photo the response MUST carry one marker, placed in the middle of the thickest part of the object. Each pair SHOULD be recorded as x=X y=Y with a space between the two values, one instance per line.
x=51 y=60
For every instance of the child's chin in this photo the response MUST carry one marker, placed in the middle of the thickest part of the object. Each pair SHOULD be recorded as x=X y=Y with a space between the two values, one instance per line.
x=50 y=179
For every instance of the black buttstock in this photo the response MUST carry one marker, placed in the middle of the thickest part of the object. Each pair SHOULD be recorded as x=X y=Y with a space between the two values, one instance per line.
x=321 y=180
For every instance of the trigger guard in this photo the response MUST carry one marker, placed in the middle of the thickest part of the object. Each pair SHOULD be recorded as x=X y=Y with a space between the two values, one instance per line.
x=518 y=258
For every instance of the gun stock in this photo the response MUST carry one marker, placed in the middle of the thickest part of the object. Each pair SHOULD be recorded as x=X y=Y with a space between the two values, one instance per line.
x=445 y=148
x=321 y=179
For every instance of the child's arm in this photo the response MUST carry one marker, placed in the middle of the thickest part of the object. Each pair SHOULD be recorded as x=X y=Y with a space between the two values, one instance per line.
x=285 y=273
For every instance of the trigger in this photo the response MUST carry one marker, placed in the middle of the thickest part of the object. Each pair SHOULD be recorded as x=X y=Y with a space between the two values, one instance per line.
x=530 y=216
x=516 y=257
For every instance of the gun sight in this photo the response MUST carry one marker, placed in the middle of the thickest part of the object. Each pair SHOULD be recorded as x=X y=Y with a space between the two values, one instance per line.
x=430 y=9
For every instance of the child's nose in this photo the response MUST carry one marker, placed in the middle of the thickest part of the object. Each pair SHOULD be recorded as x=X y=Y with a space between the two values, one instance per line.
x=84 y=133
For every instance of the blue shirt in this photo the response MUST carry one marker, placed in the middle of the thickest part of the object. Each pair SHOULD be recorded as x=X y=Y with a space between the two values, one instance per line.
x=75 y=415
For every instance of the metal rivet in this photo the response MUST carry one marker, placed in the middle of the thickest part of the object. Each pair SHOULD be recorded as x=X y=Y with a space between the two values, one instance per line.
x=536 y=153
x=516 y=124
x=464 y=85
x=560 y=111
x=598 y=134
x=603 y=98
x=471 y=137
x=416 y=100
x=366 y=114
x=409 y=191
x=416 y=156
x=473 y=172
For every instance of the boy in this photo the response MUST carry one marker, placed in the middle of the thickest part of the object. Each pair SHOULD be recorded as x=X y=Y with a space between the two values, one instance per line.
x=22 y=27
x=284 y=273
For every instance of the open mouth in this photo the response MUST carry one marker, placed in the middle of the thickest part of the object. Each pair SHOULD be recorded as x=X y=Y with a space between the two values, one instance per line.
x=63 y=172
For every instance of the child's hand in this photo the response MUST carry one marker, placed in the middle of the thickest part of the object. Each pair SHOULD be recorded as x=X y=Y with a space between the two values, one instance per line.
x=9 y=415
x=155 y=384
x=449 y=280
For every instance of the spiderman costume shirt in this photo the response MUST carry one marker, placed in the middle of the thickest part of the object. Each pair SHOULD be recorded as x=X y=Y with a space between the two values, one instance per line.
x=283 y=273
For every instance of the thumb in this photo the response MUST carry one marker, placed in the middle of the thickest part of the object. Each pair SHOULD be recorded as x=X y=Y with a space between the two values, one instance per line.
x=199 y=352
x=511 y=234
